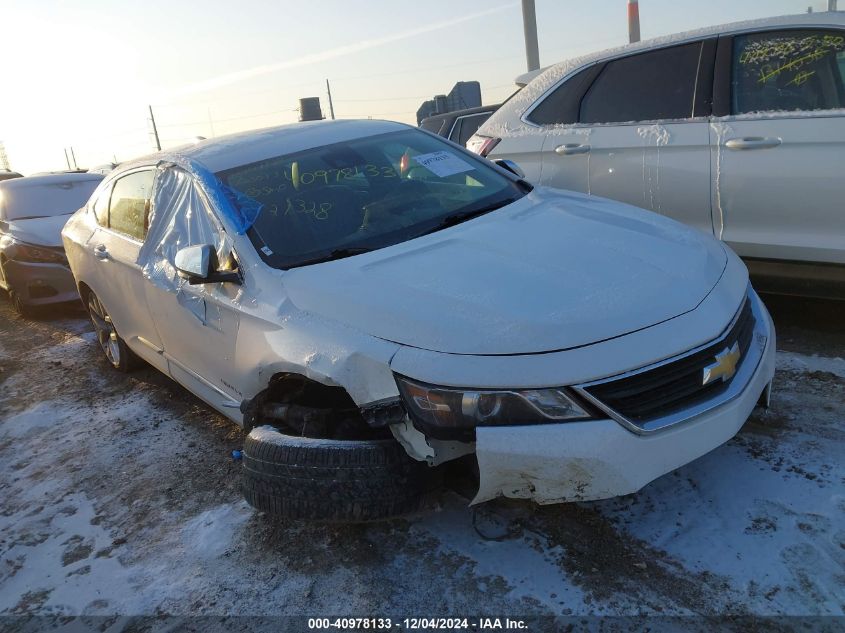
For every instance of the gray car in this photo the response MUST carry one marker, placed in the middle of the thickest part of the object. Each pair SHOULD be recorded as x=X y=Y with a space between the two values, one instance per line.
x=33 y=210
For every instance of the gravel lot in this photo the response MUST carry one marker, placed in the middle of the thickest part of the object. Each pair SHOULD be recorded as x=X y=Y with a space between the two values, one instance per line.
x=118 y=495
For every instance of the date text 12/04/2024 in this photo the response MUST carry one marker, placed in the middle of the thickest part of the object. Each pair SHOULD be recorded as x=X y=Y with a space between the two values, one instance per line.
x=421 y=624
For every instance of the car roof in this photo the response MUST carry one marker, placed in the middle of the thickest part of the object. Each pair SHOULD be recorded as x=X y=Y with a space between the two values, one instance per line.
x=232 y=150
x=821 y=19
x=48 y=179
x=519 y=103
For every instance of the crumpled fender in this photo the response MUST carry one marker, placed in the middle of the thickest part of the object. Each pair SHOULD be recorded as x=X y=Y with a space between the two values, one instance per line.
x=320 y=349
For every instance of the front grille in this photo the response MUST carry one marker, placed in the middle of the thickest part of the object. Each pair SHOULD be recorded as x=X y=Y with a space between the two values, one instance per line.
x=676 y=385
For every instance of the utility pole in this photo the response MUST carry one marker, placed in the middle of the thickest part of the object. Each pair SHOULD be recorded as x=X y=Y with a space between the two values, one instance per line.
x=529 y=28
x=633 y=21
x=67 y=159
x=155 y=129
x=331 y=105
x=4 y=159
x=73 y=156
x=831 y=5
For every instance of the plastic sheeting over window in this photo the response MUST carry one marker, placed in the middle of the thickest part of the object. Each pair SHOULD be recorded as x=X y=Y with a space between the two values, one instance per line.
x=181 y=216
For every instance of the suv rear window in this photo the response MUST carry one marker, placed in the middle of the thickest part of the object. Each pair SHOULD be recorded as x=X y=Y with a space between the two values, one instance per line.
x=466 y=126
x=650 y=86
x=562 y=106
x=788 y=70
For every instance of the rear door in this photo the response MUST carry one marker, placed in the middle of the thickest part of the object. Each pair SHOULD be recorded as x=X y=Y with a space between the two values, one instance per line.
x=122 y=212
x=564 y=145
x=647 y=132
x=779 y=154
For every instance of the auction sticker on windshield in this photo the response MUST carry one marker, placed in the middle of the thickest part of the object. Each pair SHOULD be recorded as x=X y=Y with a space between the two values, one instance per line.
x=443 y=163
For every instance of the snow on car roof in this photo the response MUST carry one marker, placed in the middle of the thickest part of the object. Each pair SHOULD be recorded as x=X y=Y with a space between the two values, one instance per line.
x=506 y=121
x=243 y=148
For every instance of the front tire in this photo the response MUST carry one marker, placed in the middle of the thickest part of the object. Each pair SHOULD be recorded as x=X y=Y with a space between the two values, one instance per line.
x=117 y=352
x=333 y=480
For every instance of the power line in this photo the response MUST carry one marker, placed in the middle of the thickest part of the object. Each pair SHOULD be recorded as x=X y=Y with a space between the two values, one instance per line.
x=234 y=118
x=382 y=99
x=240 y=94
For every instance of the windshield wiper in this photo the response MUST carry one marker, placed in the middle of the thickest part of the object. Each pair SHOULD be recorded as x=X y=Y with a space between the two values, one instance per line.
x=457 y=218
x=338 y=253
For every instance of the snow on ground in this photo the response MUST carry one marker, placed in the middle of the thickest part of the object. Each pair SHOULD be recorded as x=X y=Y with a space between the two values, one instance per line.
x=118 y=495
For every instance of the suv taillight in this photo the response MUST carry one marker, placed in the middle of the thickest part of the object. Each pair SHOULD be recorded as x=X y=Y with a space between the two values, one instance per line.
x=482 y=145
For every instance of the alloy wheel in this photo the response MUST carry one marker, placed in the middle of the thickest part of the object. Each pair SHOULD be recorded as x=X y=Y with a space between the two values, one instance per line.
x=104 y=328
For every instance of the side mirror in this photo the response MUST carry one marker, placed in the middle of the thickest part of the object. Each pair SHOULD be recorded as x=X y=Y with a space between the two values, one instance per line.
x=198 y=264
x=511 y=166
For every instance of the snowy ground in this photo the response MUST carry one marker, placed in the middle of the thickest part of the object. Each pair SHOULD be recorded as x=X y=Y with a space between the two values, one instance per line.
x=118 y=495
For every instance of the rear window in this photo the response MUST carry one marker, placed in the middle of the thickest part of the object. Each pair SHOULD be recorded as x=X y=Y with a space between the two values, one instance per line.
x=563 y=105
x=45 y=200
x=649 y=86
x=432 y=125
x=130 y=203
x=466 y=126
x=366 y=193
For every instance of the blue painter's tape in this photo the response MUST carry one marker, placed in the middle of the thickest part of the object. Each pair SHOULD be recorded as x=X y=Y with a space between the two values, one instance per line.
x=240 y=210
x=248 y=208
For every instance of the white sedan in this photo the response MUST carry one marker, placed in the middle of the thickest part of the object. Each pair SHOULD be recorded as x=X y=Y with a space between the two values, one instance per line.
x=370 y=301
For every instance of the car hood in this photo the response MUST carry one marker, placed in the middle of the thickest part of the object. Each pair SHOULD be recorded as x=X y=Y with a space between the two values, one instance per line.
x=39 y=231
x=552 y=271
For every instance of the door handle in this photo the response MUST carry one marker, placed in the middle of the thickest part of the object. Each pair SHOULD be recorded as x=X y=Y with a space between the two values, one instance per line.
x=753 y=142
x=568 y=149
x=101 y=252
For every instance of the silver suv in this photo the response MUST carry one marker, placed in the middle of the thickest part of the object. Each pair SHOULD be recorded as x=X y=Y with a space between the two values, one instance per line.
x=737 y=130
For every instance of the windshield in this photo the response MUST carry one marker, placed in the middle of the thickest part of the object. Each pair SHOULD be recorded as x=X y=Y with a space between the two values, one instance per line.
x=347 y=198
x=45 y=200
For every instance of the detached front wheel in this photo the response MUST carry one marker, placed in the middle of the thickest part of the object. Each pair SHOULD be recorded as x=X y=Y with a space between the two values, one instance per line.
x=114 y=347
x=333 y=480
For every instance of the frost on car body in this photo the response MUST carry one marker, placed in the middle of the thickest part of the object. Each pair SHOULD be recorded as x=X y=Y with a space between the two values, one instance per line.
x=383 y=302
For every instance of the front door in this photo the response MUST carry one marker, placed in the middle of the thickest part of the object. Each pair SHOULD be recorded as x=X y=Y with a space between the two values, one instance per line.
x=646 y=146
x=198 y=324
x=779 y=159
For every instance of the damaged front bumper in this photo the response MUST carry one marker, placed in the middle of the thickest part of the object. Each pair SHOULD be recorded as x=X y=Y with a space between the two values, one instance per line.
x=599 y=459
x=41 y=283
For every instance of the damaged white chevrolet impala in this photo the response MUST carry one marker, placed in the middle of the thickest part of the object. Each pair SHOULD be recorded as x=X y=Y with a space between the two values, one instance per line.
x=370 y=301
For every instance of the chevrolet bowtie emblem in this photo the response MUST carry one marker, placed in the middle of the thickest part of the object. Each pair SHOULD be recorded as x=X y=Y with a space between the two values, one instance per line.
x=724 y=367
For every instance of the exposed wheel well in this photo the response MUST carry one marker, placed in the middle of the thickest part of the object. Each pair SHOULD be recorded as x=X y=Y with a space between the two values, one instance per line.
x=300 y=406
x=83 y=291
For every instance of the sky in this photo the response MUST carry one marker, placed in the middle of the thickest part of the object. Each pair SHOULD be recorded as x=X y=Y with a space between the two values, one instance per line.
x=82 y=74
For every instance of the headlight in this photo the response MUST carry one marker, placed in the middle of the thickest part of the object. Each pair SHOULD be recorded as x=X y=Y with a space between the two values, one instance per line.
x=34 y=254
x=448 y=413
